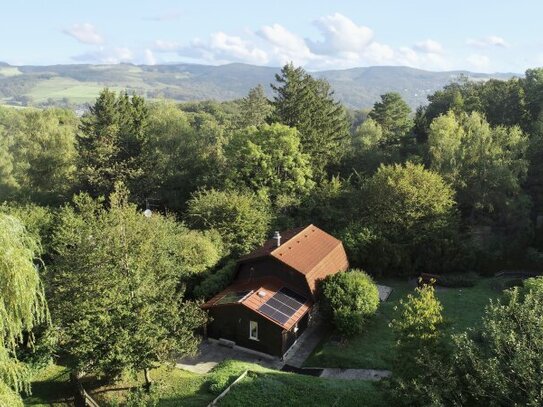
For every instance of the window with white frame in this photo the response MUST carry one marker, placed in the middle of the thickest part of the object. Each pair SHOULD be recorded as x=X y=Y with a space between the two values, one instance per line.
x=253 y=330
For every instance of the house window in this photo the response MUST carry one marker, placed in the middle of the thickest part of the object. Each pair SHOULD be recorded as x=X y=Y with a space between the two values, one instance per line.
x=253 y=330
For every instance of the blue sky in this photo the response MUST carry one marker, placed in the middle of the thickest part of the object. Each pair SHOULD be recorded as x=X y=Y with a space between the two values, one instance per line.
x=486 y=36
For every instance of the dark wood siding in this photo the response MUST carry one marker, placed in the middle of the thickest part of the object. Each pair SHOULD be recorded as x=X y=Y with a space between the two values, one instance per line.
x=269 y=267
x=289 y=337
x=232 y=322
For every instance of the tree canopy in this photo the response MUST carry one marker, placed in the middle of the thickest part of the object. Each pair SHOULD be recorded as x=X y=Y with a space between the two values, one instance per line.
x=22 y=304
x=119 y=286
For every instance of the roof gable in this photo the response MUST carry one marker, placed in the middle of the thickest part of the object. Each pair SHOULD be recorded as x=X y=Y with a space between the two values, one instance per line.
x=309 y=251
x=305 y=250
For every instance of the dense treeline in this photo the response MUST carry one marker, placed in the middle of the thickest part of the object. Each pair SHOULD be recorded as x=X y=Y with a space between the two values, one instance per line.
x=454 y=186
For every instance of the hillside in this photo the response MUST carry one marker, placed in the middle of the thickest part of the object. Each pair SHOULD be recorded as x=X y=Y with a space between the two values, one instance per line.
x=79 y=84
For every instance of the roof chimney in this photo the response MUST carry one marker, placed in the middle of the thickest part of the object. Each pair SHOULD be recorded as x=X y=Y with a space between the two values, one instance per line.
x=277 y=238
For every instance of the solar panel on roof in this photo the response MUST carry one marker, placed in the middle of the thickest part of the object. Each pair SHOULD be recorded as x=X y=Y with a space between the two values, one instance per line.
x=234 y=296
x=295 y=296
x=282 y=305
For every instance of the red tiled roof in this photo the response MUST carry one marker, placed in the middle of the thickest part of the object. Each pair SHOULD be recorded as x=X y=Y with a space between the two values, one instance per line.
x=269 y=245
x=309 y=250
x=253 y=301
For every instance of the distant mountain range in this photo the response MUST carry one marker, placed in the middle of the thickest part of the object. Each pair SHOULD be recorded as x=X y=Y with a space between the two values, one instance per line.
x=79 y=84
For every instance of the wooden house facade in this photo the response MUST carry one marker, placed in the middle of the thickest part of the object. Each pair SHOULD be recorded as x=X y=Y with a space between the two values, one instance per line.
x=267 y=307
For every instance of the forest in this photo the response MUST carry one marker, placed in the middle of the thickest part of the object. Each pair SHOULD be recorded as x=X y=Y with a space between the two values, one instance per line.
x=453 y=188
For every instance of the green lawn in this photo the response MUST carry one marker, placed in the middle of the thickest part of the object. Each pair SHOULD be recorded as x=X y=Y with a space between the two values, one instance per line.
x=373 y=349
x=264 y=387
x=274 y=388
x=261 y=387
x=51 y=387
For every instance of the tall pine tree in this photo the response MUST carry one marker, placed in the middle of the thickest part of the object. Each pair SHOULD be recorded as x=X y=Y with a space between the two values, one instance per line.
x=308 y=104
x=111 y=144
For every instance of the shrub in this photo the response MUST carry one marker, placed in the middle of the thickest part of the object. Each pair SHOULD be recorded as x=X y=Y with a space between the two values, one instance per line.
x=215 y=282
x=349 y=299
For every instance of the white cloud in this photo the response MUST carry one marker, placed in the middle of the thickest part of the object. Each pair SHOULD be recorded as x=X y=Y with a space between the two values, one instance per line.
x=340 y=35
x=221 y=48
x=106 y=56
x=480 y=62
x=286 y=46
x=343 y=44
x=85 y=33
x=490 y=41
x=429 y=47
x=149 y=57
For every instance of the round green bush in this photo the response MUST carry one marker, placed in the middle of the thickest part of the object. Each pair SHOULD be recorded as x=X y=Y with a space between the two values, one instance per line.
x=349 y=299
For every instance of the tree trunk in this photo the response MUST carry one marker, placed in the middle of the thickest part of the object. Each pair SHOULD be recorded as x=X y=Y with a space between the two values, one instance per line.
x=147 y=377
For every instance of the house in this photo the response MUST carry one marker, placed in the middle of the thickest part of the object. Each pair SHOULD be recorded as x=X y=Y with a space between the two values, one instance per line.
x=268 y=305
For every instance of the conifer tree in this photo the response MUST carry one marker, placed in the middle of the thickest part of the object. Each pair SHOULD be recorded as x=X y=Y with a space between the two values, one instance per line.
x=111 y=144
x=308 y=104
x=255 y=108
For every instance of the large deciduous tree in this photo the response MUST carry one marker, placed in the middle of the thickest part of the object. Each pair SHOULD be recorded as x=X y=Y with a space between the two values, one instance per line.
x=241 y=218
x=307 y=103
x=485 y=164
x=37 y=154
x=404 y=221
x=117 y=291
x=22 y=304
x=269 y=161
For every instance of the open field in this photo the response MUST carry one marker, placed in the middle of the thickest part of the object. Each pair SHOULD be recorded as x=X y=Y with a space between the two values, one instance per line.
x=9 y=71
x=373 y=349
x=76 y=92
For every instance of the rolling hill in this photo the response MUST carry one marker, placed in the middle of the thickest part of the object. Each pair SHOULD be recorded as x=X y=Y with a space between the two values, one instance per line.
x=80 y=84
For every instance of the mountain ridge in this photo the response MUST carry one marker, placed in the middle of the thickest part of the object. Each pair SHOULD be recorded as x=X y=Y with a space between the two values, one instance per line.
x=77 y=84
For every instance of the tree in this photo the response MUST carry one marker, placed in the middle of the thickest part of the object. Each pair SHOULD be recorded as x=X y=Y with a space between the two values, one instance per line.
x=406 y=211
x=307 y=104
x=22 y=304
x=501 y=364
x=393 y=114
x=370 y=149
x=350 y=298
x=241 y=218
x=37 y=156
x=111 y=143
x=255 y=108
x=268 y=161
x=180 y=154
x=117 y=288
x=420 y=350
x=486 y=165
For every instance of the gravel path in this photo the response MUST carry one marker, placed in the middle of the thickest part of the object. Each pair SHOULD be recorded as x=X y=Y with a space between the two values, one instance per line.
x=355 y=374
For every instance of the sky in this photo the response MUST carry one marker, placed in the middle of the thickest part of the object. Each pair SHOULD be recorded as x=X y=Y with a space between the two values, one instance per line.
x=476 y=35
